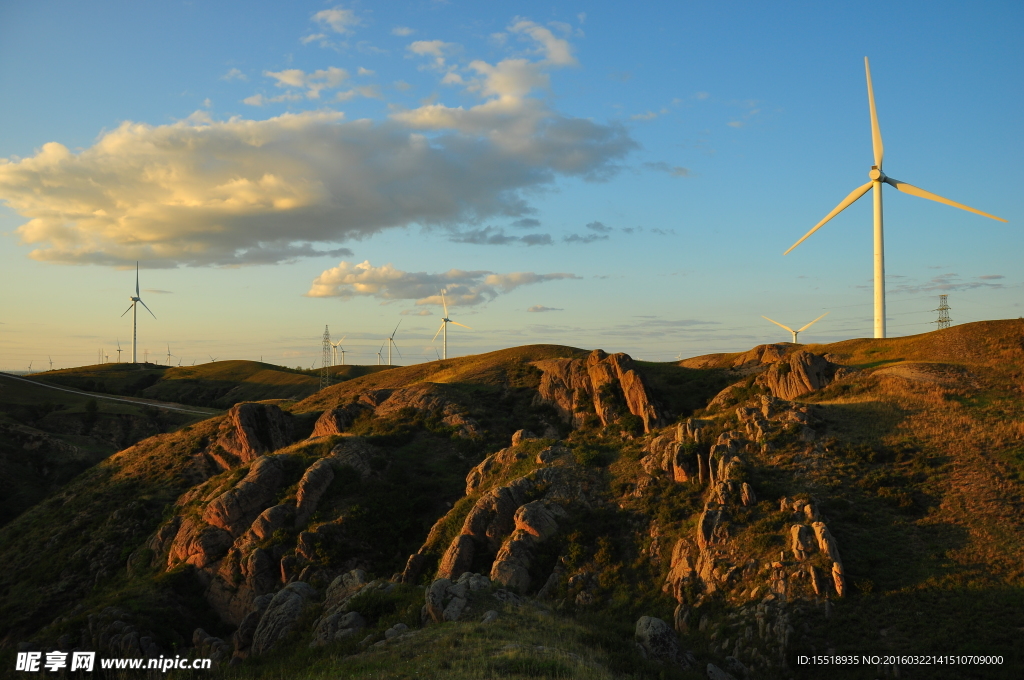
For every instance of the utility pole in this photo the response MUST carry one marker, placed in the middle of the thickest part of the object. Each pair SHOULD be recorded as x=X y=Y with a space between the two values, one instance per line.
x=943 y=310
x=325 y=370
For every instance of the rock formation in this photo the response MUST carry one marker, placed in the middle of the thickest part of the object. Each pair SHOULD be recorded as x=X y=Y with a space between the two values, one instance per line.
x=602 y=384
x=251 y=430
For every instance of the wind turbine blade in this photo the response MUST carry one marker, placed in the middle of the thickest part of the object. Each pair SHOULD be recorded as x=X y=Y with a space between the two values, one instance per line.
x=435 y=334
x=921 y=193
x=876 y=132
x=445 y=304
x=779 y=324
x=846 y=203
x=397 y=350
x=122 y=314
x=396 y=329
x=136 y=279
x=461 y=324
x=147 y=308
x=814 y=322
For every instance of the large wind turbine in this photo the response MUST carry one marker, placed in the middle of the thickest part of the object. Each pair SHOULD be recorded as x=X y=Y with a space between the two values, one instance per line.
x=391 y=342
x=444 y=327
x=877 y=179
x=798 y=332
x=133 y=309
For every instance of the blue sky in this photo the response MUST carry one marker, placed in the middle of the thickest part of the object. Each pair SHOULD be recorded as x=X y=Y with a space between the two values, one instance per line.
x=579 y=174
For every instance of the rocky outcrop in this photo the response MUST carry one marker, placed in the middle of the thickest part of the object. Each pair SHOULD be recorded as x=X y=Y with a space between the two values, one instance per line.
x=337 y=420
x=432 y=398
x=603 y=384
x=446 y=600
x=198 y=544
x=681 y=571
x=356 y=453
x=312 y=486
x=826 y=542
x=801 y=542
x=674 y=453
x=281 y=614
x=251 y=430
x=658 y=642
x=235 y=509
x=535 y=522
x=803 y=372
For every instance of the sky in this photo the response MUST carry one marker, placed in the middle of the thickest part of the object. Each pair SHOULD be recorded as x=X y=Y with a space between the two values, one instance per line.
x=583 y=174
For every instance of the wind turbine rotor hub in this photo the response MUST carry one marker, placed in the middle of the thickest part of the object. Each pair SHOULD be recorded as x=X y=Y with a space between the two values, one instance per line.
x=876 y=174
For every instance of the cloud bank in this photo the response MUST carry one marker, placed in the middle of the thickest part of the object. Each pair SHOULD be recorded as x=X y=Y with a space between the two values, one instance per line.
x=203 y=192
x=387 y=283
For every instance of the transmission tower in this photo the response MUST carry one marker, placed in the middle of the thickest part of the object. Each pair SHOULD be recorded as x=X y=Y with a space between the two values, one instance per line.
x=943 y=310
x=325 y=370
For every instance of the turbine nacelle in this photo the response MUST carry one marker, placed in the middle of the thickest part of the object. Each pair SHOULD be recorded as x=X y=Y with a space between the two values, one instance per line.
x=876 y=174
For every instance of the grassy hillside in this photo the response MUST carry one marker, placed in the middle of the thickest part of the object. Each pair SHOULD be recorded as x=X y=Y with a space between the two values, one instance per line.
x=914 y=459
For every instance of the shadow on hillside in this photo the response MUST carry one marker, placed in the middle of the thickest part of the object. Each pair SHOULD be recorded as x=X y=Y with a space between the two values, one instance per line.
x=944 y=621
x=864 y=421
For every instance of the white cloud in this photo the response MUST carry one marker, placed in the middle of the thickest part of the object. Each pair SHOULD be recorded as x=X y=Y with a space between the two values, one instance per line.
x=313 y=83
x=438 y=49
x=234 y=74
x=368 y=91
x=556 y=51
x=306 y=39
x=365 y=72
x=416 y=312
x=339 y=20
x=255 y=100
x=542 y=308
x=349 y=280
x=402 y=31
x=204 y=192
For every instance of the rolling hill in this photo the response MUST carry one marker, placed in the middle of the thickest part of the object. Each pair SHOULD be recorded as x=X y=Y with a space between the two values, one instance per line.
x=547 y=511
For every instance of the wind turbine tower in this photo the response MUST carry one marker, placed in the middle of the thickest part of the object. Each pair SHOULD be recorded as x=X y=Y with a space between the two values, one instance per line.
x=801 y=330
x=134 y=310
x=878 y=178
x=118 y=351
x=391 y=342
x=444 y=327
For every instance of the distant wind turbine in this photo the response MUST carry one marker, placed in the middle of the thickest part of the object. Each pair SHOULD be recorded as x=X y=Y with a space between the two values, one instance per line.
x=119 y=351
x=334 y=347
x=391 y=342
x=136 y=300
x=444 y=326
x=169 y=355
x=801 y=330
x=380 y=359
x=877 y=179
x=30 y=365
x=212 y=358
x=51 y=362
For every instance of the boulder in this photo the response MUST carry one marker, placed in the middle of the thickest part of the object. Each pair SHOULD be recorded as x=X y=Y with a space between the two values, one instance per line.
x=281 y=614
x=458 y=558
x=258 y=570
x=198 y=544
x=707 y=526
x=839 y=579
x=251 y=430
x=827 y=543
x=435 y=599
x=681 y=571
x=658 y=641
x=801 y=541
x=803 y=372
x=235 y=509
x=747 y=496
x=511 y=566
x=519 y=435
x=454 y=609
x=337 y=626
x=539 y=519
x=312 y=486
